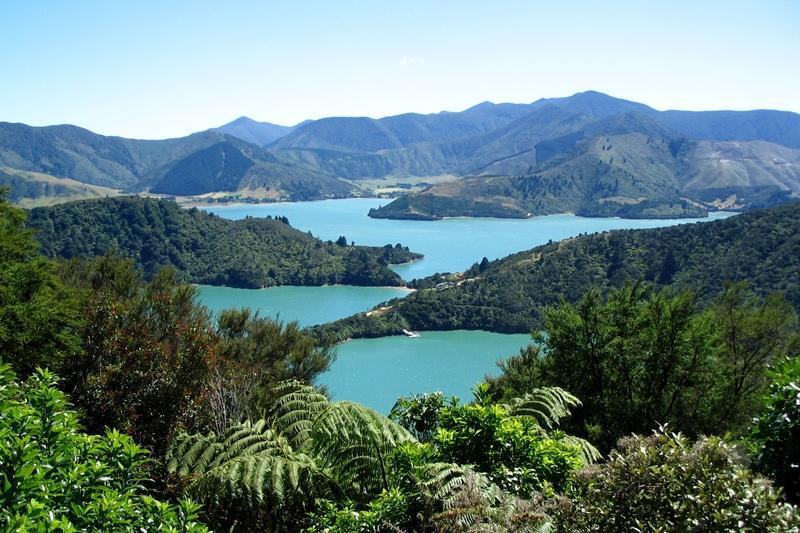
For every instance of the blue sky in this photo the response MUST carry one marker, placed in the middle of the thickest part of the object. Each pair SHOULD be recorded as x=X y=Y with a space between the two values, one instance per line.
x=163 y=69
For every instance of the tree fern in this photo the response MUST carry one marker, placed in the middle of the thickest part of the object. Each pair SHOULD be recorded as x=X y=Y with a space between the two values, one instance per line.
x=308 y=448
x=586 y=451
x=197 y=454
x=355 y=440
x=444 y=481
x=471 y=503
x=547 y=405
x=252 y=480
x=295 y=410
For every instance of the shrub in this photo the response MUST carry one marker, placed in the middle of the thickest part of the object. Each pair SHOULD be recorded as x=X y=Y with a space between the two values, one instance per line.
x=665 y=483
x=387 y=513
x=776 y=435
x=54 y=478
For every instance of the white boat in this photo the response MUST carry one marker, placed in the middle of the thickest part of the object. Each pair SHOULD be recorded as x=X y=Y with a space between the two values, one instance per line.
x=411 y=334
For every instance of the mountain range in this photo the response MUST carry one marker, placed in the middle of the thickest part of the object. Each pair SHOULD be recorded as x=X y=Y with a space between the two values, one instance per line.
x=588 y=153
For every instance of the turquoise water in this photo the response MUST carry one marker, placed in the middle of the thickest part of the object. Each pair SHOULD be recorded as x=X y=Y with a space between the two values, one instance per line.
x=376 y=371
x=449 y=245
x=307 y=305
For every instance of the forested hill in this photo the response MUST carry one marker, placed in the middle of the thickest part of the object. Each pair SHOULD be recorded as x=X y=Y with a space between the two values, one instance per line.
x=207 y=249
x=507 y=295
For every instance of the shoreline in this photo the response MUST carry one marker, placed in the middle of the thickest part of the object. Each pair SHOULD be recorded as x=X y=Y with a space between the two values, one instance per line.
x=239 y=203
x=403 y=288
x=234 y=204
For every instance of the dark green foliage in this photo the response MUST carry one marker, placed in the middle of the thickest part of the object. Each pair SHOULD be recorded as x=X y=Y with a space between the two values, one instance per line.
x=638 y=359
x=752 y=334
x=641 y=358
x=54 y=478
x=760 y=247
x=148 y=350
x=664 y=483
x=39 y=316
x=419 y=413
x=204 y=248
x=153 y=363
x=256 y=354
x=775 y=438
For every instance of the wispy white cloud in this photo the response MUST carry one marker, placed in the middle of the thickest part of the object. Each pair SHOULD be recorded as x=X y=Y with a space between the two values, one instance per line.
x=409 y=61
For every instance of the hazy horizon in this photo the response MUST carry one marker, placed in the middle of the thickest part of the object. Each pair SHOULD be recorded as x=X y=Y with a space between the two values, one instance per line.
x=149 y=70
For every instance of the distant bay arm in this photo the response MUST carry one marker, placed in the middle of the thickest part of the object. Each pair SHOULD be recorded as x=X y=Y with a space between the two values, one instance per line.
x=508 y=295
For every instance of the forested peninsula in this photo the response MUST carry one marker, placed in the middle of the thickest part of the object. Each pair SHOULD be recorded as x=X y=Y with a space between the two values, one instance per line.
x=206 y=249
x=509 y=294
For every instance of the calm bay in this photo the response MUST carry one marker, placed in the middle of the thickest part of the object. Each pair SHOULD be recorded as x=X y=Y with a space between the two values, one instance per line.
x=376 y=371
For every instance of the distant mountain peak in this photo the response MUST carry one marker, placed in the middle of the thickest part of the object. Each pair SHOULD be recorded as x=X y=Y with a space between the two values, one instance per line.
x=241 y=120
x=486 y=104
x=596 y=104
x=253 y=131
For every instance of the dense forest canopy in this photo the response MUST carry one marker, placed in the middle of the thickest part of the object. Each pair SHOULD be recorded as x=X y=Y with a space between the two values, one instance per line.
x=204 y=248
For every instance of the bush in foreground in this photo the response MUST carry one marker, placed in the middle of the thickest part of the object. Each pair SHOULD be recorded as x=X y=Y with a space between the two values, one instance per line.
x=664 y=483
x=54 y=478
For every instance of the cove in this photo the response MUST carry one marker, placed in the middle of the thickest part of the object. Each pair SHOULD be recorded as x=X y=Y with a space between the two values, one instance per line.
x=449 y=245
x=375 y=372
x=308 y=305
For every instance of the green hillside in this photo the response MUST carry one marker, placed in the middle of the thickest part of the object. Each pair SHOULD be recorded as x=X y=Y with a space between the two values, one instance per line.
x=204 y=248
x=626 y=165
x=507 y=295
x=199 y=163
x=33 y=189
x=560 y=154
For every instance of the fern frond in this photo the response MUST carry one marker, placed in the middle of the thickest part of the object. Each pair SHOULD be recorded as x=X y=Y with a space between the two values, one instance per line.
x=354 y=441
x=192 y=454
x=261 y=479
x=586 y=451
x=444 y=481
x=547 y=405
x=198 y=454
x=295 y=410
